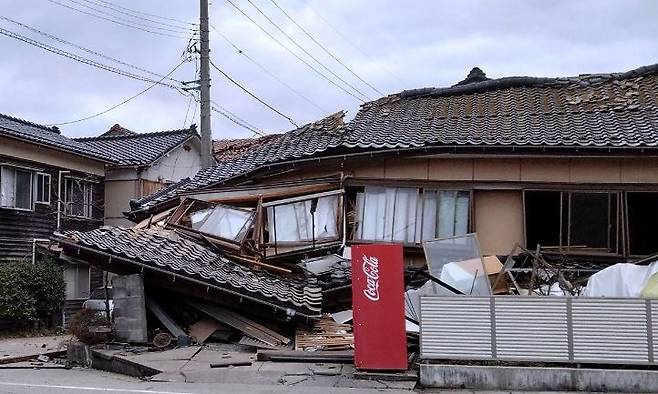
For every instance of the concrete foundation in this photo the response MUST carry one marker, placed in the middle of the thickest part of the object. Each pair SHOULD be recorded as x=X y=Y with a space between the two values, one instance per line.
x=538 y=378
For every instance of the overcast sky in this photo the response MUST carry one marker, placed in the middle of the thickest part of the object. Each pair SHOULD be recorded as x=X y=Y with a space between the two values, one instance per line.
x=392 y=45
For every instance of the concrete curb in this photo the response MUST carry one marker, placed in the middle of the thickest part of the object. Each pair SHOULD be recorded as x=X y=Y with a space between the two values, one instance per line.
x=537 y=379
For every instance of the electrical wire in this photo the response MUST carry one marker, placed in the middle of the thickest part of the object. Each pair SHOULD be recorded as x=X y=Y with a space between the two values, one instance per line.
x=81 y=59
x=237 y=117
x=324 y=48
x=119 y=18
x=122 y=102
x=236 y=83
x=352 y=44
x=330 y=71
x=63 y=41
x=115 y=21
x=117 y=10
x=229 y=117
x=147 y=14
x=292 y=52
x=268 y=72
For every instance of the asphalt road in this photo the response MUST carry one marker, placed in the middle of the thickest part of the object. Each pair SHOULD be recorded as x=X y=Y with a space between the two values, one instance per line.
x=56 y=381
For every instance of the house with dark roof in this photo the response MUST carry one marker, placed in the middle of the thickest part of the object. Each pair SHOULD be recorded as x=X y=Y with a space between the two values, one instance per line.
x=143 y=164
x=49 y=183
x=569 y=163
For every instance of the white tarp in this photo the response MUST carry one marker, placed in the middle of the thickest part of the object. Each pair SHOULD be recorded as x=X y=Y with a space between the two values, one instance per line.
x=621 y=280
x=222 y=221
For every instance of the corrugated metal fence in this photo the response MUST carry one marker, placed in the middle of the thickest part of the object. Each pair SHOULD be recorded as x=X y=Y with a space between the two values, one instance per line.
x=551 y=329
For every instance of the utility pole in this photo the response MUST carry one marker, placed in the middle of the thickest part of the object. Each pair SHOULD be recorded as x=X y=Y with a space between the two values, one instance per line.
x=206 y=132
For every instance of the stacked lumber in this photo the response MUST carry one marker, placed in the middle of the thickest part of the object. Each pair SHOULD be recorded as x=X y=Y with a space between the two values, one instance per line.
x=324 y=334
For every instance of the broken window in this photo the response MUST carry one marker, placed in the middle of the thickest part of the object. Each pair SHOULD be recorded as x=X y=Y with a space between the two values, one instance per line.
x=223 y=221
x=410 y=215
x=303 y=219
x=218 y=221
x=572 y=220
x=78 y=197
x=458 y=262
x=15 y=188
x=642 y=217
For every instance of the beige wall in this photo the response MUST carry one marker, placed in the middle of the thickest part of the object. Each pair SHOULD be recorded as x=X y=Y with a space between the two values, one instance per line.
x=555 y=170
x=498 y=220
x=118 y=193
x=40 y=154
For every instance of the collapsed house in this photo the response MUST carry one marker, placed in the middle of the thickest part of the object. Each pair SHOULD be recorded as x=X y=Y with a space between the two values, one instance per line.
x=559 y=173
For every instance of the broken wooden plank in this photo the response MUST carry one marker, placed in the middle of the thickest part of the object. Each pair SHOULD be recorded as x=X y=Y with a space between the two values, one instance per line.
x=345 y=356
x=28 y=357
x=203 y=329
x=246 y=340
x=241 y=323
x=164 y=318
x=231 y=364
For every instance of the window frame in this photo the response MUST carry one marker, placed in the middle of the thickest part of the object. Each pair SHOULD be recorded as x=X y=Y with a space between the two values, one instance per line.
x=616 y=229
x=87 y=195
x=46 y=188
x=421 y=191
x=76 y=290
x=15 y=169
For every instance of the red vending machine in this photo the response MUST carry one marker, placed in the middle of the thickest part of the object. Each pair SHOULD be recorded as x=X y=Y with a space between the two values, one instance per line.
x=380 y=338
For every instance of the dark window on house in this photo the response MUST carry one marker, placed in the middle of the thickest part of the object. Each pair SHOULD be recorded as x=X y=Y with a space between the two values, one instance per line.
x=572 y=220
x=43 y=188
x=78 y=197
x=642 y=219
x=15 y=188
x=542 y=218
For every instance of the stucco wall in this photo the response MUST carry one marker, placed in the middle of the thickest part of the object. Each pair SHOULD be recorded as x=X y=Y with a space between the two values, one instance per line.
x=176 y=165
x=118 y=194
x=51 y=157
x=498 y=220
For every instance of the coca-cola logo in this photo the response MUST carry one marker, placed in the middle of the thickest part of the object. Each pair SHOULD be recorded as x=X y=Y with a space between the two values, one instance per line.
x=371 y=271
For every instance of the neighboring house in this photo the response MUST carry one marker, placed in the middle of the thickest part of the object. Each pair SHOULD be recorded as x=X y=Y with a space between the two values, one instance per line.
x=145 y=163
x=565 y=162
x=48 y=183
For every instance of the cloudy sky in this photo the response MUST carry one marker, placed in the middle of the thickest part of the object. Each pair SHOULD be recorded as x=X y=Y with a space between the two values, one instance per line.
x=386 y=45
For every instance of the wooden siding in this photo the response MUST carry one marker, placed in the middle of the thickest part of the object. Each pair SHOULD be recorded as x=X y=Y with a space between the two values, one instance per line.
x=18 y=228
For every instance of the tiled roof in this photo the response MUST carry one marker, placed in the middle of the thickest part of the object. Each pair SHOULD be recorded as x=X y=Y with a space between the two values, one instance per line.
x=166 y=250
x=229 y=149
x=603 y=110
x=136 y=149
x=615 y=111
x=49 y=136
x=305 y=141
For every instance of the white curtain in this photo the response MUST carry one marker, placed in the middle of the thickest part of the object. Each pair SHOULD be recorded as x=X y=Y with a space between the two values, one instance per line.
x=7 y=190
x=226 y=222
x=406 y=215
x=295 y=223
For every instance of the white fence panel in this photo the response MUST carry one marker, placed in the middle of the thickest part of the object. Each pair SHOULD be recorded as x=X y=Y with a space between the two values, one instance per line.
x=555 y=329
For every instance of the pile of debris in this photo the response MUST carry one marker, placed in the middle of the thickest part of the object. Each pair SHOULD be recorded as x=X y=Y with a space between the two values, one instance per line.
x=252 y=267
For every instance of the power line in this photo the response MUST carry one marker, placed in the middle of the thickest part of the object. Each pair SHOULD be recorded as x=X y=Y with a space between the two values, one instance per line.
x=268 y=72
x=234 y=115
x=121 y=103
x=325 y=49
x=118 y=10
x=236 y=83
x=293 y=53
x=81 y=59
x=229 y=117
x=115 y=21
x=147 y=14
x=63 y=41
x=119 y=18
x=352 y=44
x=330 y=71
